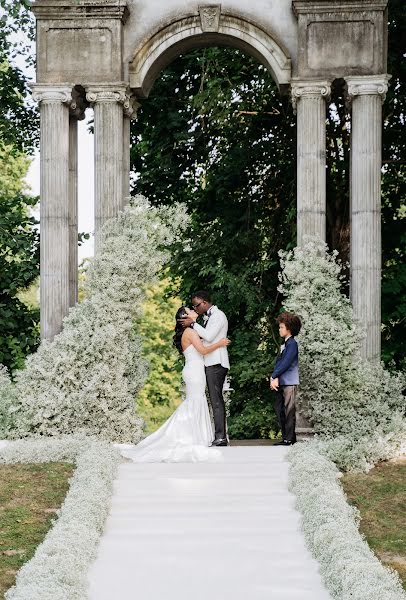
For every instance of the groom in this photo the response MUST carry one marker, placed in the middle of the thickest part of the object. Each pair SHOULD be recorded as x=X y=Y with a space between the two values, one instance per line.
x=216 y=363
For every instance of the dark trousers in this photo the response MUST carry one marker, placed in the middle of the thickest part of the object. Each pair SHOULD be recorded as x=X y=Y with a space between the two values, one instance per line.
x=215 y=376
x=285 y=408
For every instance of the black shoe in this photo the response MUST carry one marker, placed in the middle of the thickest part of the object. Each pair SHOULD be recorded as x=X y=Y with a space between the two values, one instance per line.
x=220 y=442
x=284 y=443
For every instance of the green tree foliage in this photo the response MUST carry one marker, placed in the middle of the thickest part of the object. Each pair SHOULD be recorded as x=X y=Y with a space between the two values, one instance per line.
x=394 y=194
x=216 y=134
x=19 y=258
x=19 y=119
x=162 y=392
x=19 y=240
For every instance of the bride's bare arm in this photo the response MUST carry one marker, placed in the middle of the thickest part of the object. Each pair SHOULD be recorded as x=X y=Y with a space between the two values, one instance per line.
x=197 y=343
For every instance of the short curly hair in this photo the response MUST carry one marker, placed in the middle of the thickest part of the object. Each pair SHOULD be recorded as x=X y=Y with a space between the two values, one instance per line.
x=291 y=321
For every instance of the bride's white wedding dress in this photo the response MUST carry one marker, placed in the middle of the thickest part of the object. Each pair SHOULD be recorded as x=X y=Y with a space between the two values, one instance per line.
x=188 y=433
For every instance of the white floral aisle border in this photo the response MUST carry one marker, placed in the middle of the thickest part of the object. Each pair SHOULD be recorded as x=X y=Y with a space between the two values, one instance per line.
x=348 y=566
x=59 y=567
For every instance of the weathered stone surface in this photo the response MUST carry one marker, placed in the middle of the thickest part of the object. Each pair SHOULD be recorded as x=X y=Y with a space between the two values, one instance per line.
x=79 y=41
x=73 y=211
x=116 y=49
x=276 y=19
x=108 y=101
x=309 y=101
x=190 y=32
x=367 y=95
x=130 y=112
x=54 y=207
x=337 y=38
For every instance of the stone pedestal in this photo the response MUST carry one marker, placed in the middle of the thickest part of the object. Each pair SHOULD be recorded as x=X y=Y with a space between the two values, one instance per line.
x=54 y=207
x=108 y=101
x=366 y=94
x=309 y=102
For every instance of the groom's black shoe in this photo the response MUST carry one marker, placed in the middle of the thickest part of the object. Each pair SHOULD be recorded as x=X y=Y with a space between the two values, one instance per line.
x=220 y=442
x=284 y=443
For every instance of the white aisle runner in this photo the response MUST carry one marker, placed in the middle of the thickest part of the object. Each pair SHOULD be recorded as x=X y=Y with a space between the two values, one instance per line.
x=206 y=531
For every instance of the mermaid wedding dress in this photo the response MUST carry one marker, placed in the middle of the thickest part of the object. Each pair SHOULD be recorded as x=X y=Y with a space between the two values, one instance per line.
x=188 y=433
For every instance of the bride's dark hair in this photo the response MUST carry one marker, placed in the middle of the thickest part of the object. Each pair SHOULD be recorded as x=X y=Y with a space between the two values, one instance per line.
x=181 y=312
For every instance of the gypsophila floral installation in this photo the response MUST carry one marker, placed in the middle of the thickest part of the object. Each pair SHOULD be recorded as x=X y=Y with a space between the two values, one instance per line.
x=356 y=407
x=357 y=410
x=59 y=567
x=7 y=397
x=86 y=379
x=348 y=566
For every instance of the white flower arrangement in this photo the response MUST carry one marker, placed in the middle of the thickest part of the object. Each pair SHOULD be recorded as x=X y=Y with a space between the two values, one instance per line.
x=358 y=406
x=59 y=567
x=348 y=566
x=87 y=378
x=7 y=397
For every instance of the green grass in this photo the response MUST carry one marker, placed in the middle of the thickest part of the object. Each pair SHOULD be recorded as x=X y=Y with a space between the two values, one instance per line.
x=380 y=496
x=29 y=498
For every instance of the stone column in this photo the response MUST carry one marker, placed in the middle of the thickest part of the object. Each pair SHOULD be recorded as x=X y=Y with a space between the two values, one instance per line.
x=309 y=102
x=54 y=206
x=107 y=101
x=367 y=94
x=73 y=211
x=126 y=156
x=77 y=113
x=130 y=112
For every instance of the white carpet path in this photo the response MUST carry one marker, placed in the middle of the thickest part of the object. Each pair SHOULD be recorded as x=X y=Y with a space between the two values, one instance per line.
x=206 y=531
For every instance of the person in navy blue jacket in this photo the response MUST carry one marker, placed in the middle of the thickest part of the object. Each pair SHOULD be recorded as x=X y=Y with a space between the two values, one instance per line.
x=285 y=377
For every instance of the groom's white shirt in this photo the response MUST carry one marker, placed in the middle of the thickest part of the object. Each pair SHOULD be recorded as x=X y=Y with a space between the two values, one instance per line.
x=216 y=329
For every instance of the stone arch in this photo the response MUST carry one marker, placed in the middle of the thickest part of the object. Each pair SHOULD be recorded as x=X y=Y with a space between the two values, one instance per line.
x=87 y=54
x=182 y=35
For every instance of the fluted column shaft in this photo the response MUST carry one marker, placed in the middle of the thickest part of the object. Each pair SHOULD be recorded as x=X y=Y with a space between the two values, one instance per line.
x=309 y=101
x=77 y=113
x=367 y=94
x=73 y=211
x=54 y=206
x=126 y=157
x=131 y=106
x=108 y=102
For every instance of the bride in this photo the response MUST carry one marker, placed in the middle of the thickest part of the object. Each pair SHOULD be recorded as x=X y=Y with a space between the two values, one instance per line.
x=188 y=433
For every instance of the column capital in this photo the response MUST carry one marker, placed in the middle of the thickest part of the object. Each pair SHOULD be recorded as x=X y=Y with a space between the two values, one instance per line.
x=367 y=85
x=45 y=92
x=309 y=88
x=107 y=92
x=131 y=106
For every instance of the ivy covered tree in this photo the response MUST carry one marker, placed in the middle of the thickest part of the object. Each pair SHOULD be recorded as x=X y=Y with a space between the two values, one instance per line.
x=19 y=119
x=19 y=237
x=19 y=254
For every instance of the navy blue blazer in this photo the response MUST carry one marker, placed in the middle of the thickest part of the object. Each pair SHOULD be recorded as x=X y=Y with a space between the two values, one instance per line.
x=287 y=364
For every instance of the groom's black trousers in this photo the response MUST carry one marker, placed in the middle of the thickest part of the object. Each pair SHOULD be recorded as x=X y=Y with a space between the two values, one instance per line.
x=215 y=376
